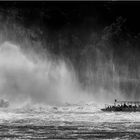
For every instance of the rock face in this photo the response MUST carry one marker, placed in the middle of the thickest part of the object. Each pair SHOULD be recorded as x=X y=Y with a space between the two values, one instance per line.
x=4 y=103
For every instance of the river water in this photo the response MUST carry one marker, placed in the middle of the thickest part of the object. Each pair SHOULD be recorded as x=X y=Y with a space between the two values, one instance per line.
x=67 y=122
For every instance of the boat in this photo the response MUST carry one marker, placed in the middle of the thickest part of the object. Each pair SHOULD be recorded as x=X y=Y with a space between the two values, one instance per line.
x=123 y=106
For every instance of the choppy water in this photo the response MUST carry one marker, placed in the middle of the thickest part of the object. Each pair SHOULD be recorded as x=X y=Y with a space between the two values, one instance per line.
x=68 y=122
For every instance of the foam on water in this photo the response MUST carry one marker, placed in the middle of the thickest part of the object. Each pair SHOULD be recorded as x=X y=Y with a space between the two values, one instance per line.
x=71 y=113
x=68 y=121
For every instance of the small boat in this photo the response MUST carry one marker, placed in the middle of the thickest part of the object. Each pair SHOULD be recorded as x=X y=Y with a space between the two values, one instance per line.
x=123 y=106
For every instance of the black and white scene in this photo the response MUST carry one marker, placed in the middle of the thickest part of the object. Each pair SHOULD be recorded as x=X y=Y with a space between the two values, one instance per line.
x=69 y=70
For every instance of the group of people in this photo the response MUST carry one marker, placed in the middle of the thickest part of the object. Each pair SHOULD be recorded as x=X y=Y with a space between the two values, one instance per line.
x=123 y=107
x=128 y=106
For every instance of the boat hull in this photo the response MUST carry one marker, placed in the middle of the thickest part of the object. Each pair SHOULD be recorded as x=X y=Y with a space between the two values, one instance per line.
x=121 y=109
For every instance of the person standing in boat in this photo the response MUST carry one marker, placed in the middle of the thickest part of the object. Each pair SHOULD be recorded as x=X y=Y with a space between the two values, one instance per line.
x=115 y=102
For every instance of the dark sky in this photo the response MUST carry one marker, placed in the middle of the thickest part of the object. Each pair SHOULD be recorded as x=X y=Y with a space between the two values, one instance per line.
x=58 y=15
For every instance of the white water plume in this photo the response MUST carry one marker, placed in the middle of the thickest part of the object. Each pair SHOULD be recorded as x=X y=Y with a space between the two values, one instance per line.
x=24 y=80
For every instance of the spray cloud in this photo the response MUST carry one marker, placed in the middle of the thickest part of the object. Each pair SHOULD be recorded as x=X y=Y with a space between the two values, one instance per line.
x=24 y=79
x=25 y=75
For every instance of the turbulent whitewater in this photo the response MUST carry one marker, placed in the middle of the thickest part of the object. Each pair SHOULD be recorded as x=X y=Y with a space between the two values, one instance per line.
x=70 y=121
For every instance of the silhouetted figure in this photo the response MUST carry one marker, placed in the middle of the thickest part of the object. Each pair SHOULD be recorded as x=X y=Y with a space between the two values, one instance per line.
x=124 y=105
